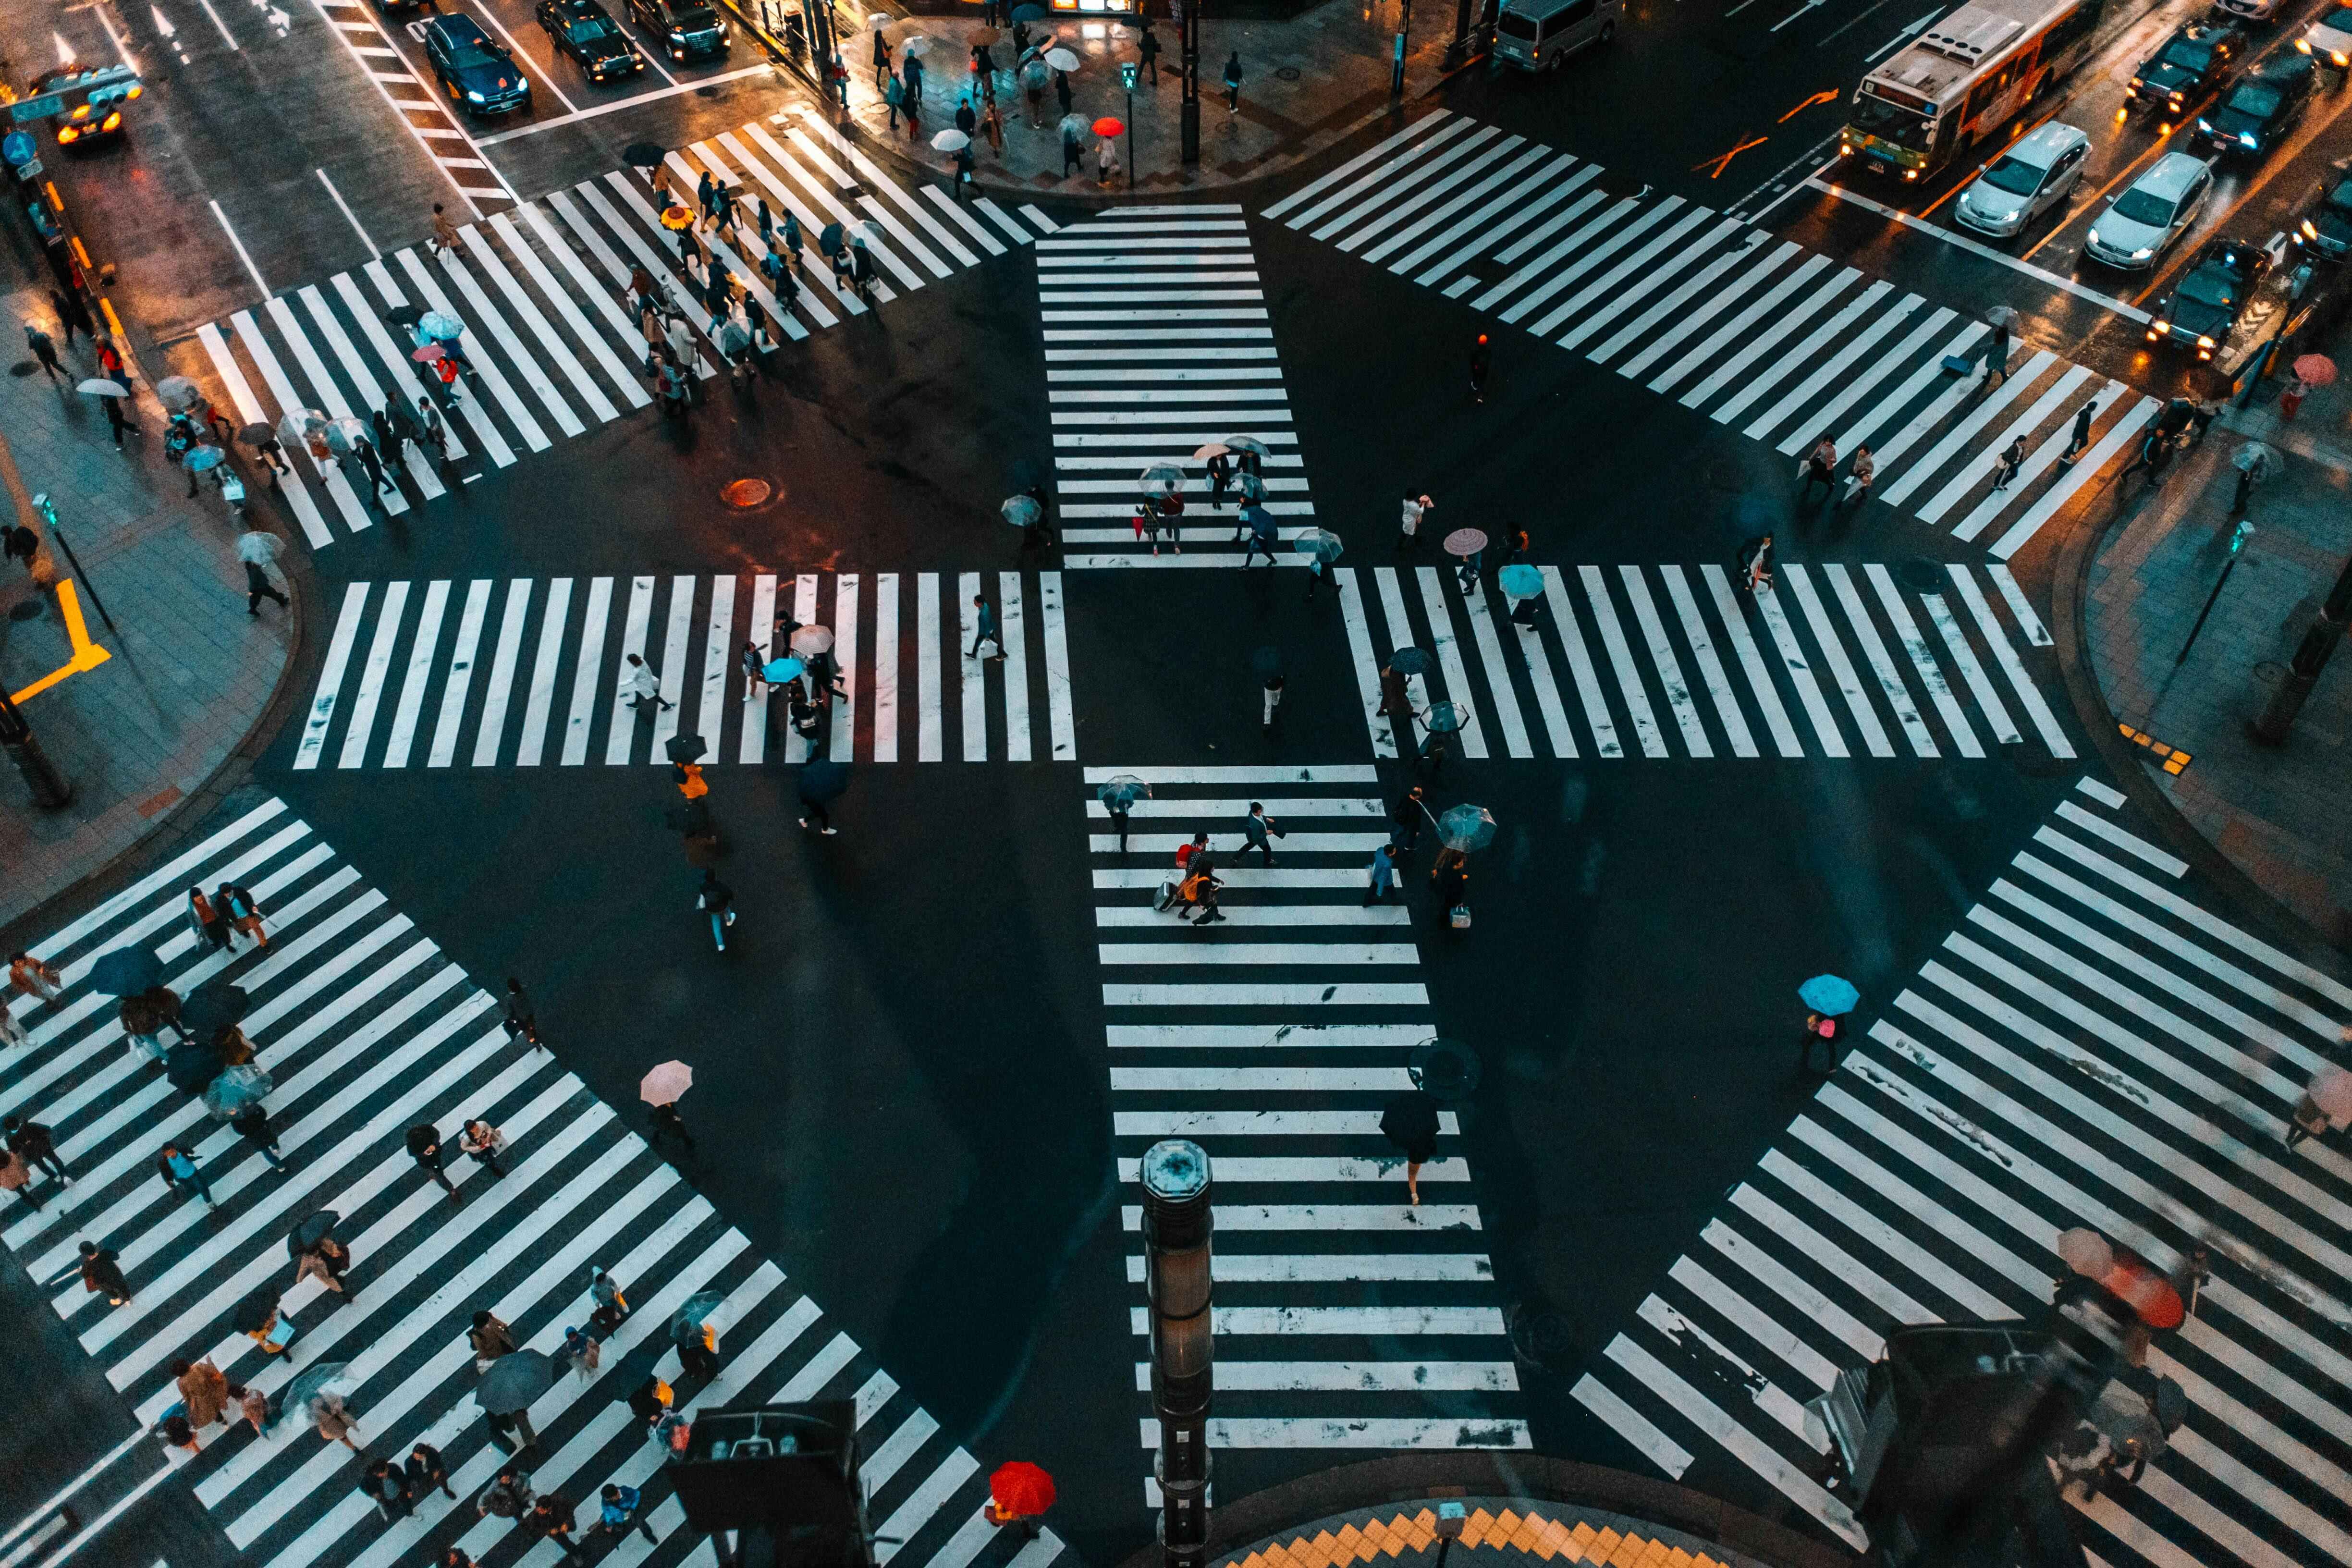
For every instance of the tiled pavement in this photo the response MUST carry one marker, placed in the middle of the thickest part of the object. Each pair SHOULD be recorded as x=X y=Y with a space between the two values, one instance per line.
x=191 y=674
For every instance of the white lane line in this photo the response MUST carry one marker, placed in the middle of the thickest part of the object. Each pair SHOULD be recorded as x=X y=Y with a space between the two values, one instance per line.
x=1669 y=667
x=1767 y=600
x=886 y=667
x=1449 y=659
x=1015 y=667
x=249 y=409
x=373 y=674
x=927 y=672
x=1997 y=637
x=242 y=254
x=344 y=205
x=1580 y=663
x=1620 y=661
x=402 y=738
x=1988 y=702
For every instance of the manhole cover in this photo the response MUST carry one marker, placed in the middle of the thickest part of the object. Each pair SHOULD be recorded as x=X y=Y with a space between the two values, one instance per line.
x=1921 y=576
x=1286 y=73
x=747 y=493
x=2270 y=672
x=1542 y=1336
x=1447 y=1070
x=30 y=610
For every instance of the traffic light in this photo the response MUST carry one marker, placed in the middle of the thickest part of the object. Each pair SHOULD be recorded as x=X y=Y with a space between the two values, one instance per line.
x=1126 y=75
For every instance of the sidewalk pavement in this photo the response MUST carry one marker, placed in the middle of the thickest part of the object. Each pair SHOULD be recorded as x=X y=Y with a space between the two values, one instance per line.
x=2275 y=813
x=147 y=737
x=1339 y=57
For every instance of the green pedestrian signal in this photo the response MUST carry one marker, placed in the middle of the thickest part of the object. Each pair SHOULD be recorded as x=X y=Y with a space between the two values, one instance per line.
x=1126 y=75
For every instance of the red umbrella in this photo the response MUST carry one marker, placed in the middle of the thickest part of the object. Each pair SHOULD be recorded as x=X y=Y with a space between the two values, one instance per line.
x=2314 y=369
x=1107 y=125
x=1020 y=1488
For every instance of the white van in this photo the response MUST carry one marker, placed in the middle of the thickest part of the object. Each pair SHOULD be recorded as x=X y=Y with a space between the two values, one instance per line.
x=1537 y=35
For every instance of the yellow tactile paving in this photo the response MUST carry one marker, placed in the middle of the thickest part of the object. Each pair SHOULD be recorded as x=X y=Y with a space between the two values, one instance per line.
x=1545 y=1537
x=1655 y=1556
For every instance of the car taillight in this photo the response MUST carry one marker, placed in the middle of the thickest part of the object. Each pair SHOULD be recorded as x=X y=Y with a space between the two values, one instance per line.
x=112 y=121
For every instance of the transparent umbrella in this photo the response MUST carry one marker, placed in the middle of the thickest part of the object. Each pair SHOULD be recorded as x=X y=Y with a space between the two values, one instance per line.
x=1159 y=475
x=202 y=459
x=319 y=1377
x=1465 y=826
x=441 y=324
x=1074 y=124
x=178 y=394
x=696 y=1310
x=297 y=426
x=809 y=641
x=1022 y=510
x=1245 y=444
x=1251 y=487
x=950 y=140
x=1062 y=59
x=1445 y=717
x=343 y=436
x=1123 y=789
x=236 y=1088
x=1320 y=543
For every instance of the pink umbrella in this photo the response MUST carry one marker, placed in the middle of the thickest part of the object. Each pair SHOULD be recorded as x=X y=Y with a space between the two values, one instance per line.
x=1464 y=543
x=2314 y=369
x=666 y=1083
x=426 y=353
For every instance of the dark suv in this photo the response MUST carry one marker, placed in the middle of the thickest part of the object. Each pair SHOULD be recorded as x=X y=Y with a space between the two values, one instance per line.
x=2324 y=226
x=2210 y=296
x=2258 y=112
x=685 y=28
x=2196 y=60
x=478 y=73
x=583 y=29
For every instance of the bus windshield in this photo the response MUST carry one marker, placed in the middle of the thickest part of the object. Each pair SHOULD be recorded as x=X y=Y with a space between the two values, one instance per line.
x=1889 y=121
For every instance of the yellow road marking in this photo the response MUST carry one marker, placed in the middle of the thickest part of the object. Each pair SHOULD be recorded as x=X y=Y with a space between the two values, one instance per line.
x=86 y=655
x=1827 y=95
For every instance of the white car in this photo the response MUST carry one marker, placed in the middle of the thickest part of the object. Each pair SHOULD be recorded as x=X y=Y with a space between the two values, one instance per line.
x=2330 y=37
x=2252 y=10
x=2034 y=176
x=2152 y=211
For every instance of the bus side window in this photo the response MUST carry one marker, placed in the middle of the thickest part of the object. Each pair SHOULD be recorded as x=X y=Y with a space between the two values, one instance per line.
x=1981 y=97
x=2069 y=29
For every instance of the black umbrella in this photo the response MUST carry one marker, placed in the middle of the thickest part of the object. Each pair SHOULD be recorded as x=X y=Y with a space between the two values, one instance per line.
x=643 y=155
x=824 y=779
x=639 y=1367
x=214 y=1006
x=255 y=1311
x=127 y=970
x=310 y=1232
x=515 y=1380
x=1030 y=13
x=405 y=315
x=1410 y=1121
x=1413 y=661
x=686 y=747
x=191 y=1065
x=422 y=1136
x=1266 y=662
x=828 y=239
x=1446 y=1069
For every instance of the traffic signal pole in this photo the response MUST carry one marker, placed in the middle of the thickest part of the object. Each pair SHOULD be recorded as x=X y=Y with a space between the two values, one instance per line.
x=1176 y=1244
x=1188 y=36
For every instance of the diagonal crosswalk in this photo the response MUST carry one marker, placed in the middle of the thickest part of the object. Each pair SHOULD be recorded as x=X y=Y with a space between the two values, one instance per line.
x=1346 y=1319
x=1157 y=343
x=1761 y=335
x=530 y=672
x=1672 y=662
x=2092 y=1046
x=367 y=1028
x=541 y=287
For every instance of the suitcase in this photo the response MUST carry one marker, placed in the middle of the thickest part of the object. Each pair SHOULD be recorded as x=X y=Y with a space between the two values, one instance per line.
x=1958 y=364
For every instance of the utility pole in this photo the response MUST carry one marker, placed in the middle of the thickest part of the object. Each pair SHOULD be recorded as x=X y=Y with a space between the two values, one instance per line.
x=48 y=786
x=1187 y=39
x=2303 y=671
x=1458 y=52
x=1176 y=1245
x=1404 y=26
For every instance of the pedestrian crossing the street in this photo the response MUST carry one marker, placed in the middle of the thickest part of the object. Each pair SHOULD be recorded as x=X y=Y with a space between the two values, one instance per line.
x=2094 y=1046
x=1158 y=343
x=530 y=672
x=1620 y=661
x=367 y=1028
x=1784 y=344
x=542 y=287
x=1346 y=1318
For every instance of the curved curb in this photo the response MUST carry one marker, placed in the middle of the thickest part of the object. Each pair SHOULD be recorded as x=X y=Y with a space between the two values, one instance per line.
x=1407 y=1477
x=2070 y=630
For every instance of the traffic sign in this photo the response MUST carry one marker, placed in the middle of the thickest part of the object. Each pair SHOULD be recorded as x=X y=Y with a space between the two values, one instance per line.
x=18 y=148
x=41 y=108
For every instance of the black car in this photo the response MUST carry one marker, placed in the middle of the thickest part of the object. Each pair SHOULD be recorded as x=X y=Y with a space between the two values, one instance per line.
x=93 y=98
x=581 y=29
x=2206 y=302
x=2196 y=60
x=685 y=29
x=477 y=73
x=2324 y=226
x=2257 y=114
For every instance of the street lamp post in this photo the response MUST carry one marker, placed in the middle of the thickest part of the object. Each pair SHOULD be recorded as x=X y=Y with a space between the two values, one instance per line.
x=1188 y=39
x=48 y=785
x=1176 y=1246
x=1458 y=50
x=2303 y=671
x=1404 y=26
x=1127 y=72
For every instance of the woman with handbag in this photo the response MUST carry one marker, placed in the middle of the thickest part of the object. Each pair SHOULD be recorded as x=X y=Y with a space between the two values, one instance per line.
x=1449 y=875
x=484 y=1142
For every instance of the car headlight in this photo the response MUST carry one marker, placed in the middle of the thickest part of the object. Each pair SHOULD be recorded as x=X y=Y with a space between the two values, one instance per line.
x=2304 y=43
x=2143 y=253
x=473 y=97
x=2204 y=124
x=2248 y=138
x=112 y=121
x=2135 y=84
x=2093 y=236
x=2204 y=342
x=67 y=134
x=2343 y=61
x=2310 y=229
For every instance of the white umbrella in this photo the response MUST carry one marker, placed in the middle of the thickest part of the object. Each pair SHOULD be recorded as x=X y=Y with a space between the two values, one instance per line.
x=298 y=424
x=666 y=1083
x=809 y=641
x=918 y=45
x=877 y=20
x=951 y=140
x=98 y=386
x=1062 y=59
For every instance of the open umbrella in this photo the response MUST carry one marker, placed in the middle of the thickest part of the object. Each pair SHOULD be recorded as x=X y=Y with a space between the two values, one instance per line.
x=178 y=394
x=828 y=239
x=126 y=971
x=950 y=140
x=1445 y=717
x=666 y=1083
x=2085 y=1252
x=676 y=218
x=809 y=641
x=405 y=315
x=202 y=459
x=2314 y=369
x=1247 y=444
x=915 y=47
x=779 y=670
x=308 y=1384
x=685 y=748
x=296 y=427
x=1073 y=124
x=1123 y=789
x=426 y=353
x=1410 y=1121
x=1251 y=487
x=878 y=20
x=1022 y=510
x=1159 y=475
x=254 y=434
x=2001 y=316
x=191 y=1065
x=247 y=1316
x=696 y=1310
x=1320 y=543
x=733 y=340
x=1061 y=59
x=1520 y=581
x=2253 y=457
x=1830 y=994
x=641 y=156
x=236 y=1088
x=98 y=386
x=344 y=434
x=1255 y=515
x=514 y=1380
x=1267 y=662
x=1413 y=661
x=1030 y=13
x=1464 y=543
x=823 y=779
x=1465 y=828
x=214 y=1006
x=1020 y=1488
x=440 y=324
x=1213 y=449
x=313 y=1229
x=1109 y=125
x=1446 y=1069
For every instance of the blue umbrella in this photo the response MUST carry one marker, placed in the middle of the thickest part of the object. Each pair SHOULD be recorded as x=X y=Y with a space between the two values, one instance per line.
x=1466 y=828
x=201 y=458
x=126 y=971
x=1321 y=543
x=1413 y=661
x=1827 y=994
x=441 y=324
x=1445 y=718
x=1520 y=581
x=1123 y=789
x=1259 y=520
x=1021 y=511
x=236 y=1088
x=783 y=669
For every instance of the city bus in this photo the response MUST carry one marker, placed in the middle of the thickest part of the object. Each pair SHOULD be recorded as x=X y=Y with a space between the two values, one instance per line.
x=1962 y=81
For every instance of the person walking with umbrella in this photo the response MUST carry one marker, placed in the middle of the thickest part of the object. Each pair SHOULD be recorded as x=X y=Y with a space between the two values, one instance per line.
x=252 y=1124
x=1409 y=1122
x=425 y=1147
x=257 y=549
x=1829 y=999
x=1997 y=350
x=1019 y=1493
x=2326 y=1102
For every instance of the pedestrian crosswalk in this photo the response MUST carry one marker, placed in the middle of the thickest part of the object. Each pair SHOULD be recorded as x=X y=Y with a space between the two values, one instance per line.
x=1781 y=343
x=1831 y=661
x=1345 y=1317
x=541 y=287
x=368 y=1028
x=526 y=672
x=1157 y=343
x=2095 y=1046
